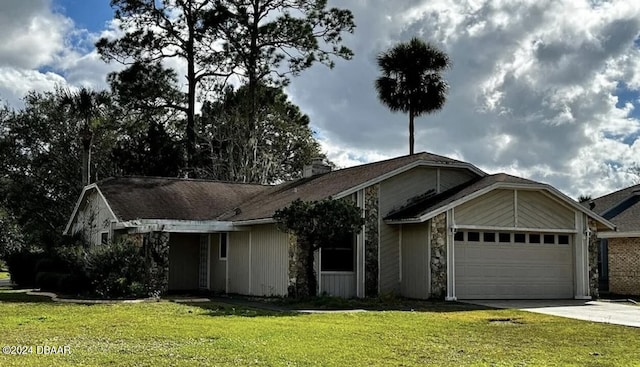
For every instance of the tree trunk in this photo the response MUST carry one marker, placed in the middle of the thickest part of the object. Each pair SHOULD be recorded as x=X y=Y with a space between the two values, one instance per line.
x=191 y=94
x=87 y=138
x=411 y=131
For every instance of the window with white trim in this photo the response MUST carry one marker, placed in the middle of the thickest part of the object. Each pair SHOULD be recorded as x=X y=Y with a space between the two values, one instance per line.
x=222 y=248
x=104 y=237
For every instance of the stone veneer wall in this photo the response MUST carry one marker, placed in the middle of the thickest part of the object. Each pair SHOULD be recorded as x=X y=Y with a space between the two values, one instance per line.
x=158 y=258
x=371 y=241
x=439 y=256
x=594 y=249
x=293 y=265
x=624 y=266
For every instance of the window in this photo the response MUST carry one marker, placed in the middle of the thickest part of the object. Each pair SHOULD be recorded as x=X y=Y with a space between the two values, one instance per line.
x=459 y=236
x=504 y=237
x=104 y=238
x=534 y=238
x=339 y=256
x=473 y=236
x=563 y=239
x=223 y=246
x=489 y=237
x=549 y=239
x=519 y=238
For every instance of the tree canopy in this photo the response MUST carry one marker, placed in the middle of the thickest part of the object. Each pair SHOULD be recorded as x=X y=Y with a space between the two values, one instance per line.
x=276 y=149
x=411 y=80
x=220 y=38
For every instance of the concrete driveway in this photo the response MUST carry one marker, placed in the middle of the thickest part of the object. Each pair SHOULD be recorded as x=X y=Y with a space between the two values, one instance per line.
x=605 y=312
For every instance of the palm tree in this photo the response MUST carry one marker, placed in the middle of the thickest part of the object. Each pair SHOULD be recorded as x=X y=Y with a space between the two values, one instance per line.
x=86 y=106
x=411 y=81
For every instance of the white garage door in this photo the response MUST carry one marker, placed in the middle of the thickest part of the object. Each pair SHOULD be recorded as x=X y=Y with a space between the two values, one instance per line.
x=495 y=265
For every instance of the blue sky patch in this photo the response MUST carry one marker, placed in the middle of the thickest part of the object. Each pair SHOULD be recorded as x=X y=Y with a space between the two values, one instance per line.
x=86 y=14
x=626 y=95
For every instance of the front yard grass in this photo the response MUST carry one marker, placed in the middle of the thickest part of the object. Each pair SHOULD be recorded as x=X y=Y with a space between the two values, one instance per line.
x=218 y=334
x=4 y=275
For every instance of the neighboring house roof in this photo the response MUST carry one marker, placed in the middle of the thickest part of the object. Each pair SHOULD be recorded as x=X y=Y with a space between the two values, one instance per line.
x=431 y=204
x=335 y=184
x=622 y=208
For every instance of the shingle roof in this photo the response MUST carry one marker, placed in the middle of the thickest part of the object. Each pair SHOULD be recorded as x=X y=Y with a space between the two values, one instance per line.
x=430 y=203
x=325 y=185
x=621 y=208
x=173 y=198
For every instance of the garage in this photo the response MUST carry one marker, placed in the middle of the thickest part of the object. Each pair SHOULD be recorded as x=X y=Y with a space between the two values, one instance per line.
x=513 y=265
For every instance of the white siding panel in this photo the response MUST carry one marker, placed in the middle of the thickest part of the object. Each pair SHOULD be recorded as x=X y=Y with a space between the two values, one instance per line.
x=395 y=193
x=338 y=284
x=536 y=210
x=415 y=261
x=495 y=208
x=93 y=218
x=450 y=178
x=238 y=258
x=269 y=261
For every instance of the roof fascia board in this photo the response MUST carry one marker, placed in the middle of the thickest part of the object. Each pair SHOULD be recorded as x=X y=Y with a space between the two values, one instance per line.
x=179 y=226
x=250 y=222
x=614 y=234
x=397 y=171
x=77 y=207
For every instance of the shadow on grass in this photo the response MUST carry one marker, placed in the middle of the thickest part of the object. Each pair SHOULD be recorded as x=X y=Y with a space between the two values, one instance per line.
x=7 y=294
x=288 y=306
x=218 y=309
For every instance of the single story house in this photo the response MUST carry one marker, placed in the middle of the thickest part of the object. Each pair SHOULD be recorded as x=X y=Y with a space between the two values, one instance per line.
x=434 y=227
x=620 y=250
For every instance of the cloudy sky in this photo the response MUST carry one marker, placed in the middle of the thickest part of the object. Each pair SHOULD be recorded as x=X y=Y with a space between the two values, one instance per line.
x=544 y=89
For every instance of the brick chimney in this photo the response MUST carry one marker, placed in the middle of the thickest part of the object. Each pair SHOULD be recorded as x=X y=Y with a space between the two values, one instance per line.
x=316 y=167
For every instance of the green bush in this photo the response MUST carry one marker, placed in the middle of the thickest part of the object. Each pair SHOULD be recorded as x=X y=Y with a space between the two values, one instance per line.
x=22 y=266
x=48 y=281
x=117 y=270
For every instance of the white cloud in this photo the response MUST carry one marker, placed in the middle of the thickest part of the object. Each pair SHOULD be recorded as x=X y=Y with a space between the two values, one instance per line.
x=531 y=91
x=532 y=83
x=41 y=49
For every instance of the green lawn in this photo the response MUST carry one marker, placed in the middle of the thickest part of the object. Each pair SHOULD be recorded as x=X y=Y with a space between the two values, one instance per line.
x=4 y=275
x=170 y=334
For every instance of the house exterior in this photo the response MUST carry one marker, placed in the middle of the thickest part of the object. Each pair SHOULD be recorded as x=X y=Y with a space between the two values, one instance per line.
x=620 y=250
x=434 y=227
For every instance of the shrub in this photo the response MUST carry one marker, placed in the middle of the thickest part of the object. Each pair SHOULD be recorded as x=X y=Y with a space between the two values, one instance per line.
x=48 y=281
x=22 y=266
x=116 y=270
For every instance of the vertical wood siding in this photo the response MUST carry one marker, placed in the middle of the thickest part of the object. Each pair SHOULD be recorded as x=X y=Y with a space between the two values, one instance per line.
x=450 y=178
x=93 y=218
x=536 y=210
x=495 y=208
x=415 y=261
x=184 y=255
x=338 y=284
x=395 y=193
x=238 y=258
x=218 y=270
x=269 y=261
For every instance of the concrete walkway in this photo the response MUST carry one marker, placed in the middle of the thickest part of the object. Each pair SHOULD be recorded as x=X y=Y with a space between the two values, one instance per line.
x=596 y=311
x=5 y=282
